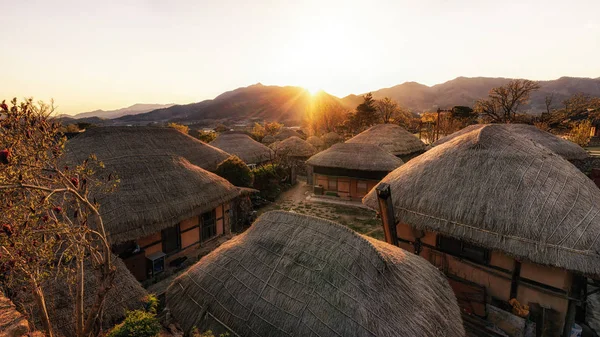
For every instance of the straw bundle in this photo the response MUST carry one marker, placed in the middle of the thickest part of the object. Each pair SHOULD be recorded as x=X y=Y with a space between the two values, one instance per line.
x=500 y=190
x=560 y=146
x=296 y=275
x=241 y=145
x=124 y=140
x=294 y=147
x=355 y=156
x=390 y=137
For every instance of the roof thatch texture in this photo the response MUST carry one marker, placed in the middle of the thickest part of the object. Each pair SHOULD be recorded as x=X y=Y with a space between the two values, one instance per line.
x=390 y=137
x=294 y=147
x=268 y=139
x=241 y=145
x=296 y=275
x=286 y=133
x=112 y=141
x=331 y=138
x=315 y=141
x=560 y=146
x=355 y=156
x=500 y=190
x=125 y=295
x=157 y=192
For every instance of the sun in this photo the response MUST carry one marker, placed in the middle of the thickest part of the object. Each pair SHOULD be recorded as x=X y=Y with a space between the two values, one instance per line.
x=313 y=89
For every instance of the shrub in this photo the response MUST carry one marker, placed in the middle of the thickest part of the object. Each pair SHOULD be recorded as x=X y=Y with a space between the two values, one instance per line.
x=581 y=134
x=179 y=127
x=236 y=171
x=151 y=303
x=206 y=136
x=266 y=180
x=137 y=323
x=208 y=333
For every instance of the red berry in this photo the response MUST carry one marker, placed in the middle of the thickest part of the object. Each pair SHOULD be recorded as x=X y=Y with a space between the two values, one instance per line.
x=75 y=181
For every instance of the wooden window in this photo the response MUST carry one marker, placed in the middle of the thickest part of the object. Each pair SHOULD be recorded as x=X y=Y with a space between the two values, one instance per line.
x=462 y=249
x=361 y=187
x=171 y=240
x=209 y=225
x=343 y=186
x=332 y=184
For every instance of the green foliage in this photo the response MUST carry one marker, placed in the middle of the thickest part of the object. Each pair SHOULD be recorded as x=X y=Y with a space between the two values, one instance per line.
x=208 y=333
x=266 y=180
x=151 y=303
x=236 y=171
x=464 y=112
x=206 y=136
x=179 y=127
x=138 y=323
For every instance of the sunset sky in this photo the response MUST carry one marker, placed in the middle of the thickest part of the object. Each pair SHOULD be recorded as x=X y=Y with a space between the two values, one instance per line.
x=111 y=54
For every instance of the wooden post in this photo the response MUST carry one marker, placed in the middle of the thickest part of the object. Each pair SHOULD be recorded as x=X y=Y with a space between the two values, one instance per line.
x=386 y=210
x=574 y=297
x=516 y=274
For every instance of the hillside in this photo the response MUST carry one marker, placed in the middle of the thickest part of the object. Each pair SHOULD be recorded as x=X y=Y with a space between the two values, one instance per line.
x=282 y=104
x=130 y=110
x=465 y=91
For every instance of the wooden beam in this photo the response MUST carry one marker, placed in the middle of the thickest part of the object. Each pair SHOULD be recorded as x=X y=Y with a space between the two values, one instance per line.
x=514 y=283
x=386 y=210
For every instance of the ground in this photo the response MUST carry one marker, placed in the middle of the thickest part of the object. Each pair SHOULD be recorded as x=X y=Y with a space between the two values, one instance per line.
x=349 y=214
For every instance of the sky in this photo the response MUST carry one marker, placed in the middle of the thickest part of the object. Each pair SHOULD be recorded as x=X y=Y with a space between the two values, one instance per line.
x=89 y=55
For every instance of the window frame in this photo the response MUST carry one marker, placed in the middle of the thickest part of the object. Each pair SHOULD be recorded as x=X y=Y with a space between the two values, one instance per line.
x=462 y=249
x=207 y=228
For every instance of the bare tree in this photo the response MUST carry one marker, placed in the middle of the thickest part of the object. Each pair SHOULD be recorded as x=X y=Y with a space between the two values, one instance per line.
x=51 y=227
x=504 y=102
x=388 y=109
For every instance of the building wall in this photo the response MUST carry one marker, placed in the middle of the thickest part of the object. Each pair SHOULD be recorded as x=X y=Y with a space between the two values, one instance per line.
x=496 y=276
x=345 y=187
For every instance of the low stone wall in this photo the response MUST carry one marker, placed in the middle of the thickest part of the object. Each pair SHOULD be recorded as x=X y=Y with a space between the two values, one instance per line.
x=12 y=323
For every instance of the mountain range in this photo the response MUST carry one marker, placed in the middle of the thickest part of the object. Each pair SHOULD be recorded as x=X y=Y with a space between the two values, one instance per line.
x=288 y=104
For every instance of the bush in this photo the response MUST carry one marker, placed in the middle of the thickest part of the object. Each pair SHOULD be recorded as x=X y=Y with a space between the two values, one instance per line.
x=151 y=303
x=179 y=127
x=138 y=323
x=581 y=134
x=236 y=171
x=209 y=333
x=266 y=180
x=205 y=136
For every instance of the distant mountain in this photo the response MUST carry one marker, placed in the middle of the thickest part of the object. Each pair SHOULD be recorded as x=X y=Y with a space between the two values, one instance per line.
x=275 y=103
x=130 y=110
x=465 y=91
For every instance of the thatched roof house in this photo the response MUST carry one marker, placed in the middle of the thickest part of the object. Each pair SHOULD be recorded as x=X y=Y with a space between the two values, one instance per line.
x=497 y=199
x=126 y=294
x=241 y=145
x=111 y=141
x=286 y=133
x=331 y=138
x=294 y=147
x=350 y=170
x=292 y=274
x=560 y=146
x=316 y=142
x=392 y=138
x=268 y=139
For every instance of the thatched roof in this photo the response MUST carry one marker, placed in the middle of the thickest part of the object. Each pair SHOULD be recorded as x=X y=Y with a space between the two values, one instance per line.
x=294 y=147
x=500 y=190
x=241 y=145
x=268 y=139
x=111 y=141
x=157 y=192
x=390 y=137
x=296 y=275
x=355 y=156
x=315 y=141
x=331 y=138
x=560 y=146
x=286 y=133
x=125 y=295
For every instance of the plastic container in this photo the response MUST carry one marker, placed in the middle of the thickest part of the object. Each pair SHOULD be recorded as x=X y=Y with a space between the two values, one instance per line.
x=576 y=331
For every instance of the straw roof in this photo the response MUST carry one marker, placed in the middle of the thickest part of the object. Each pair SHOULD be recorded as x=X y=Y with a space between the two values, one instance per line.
x=355 y=156
x=286 y=133
x=268 y=139
x=315 y=141
x=331 y=138
x=125 y=295
x=390 y=137
x=500 y=190
x=136 y=140
x=157 y=192
x=297 y=275
x=241 y=145
x=294 y=147
x=560 y=146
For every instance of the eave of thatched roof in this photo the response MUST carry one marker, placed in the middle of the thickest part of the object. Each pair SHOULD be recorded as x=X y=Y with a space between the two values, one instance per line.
x=114 y=141
x=294 y=147
x=356 y=156
x=292 y=274
x=560 y=146
x=126 y=294
x=286 y=133
x=500 y=190
x=241 y=145
x=390 y=137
